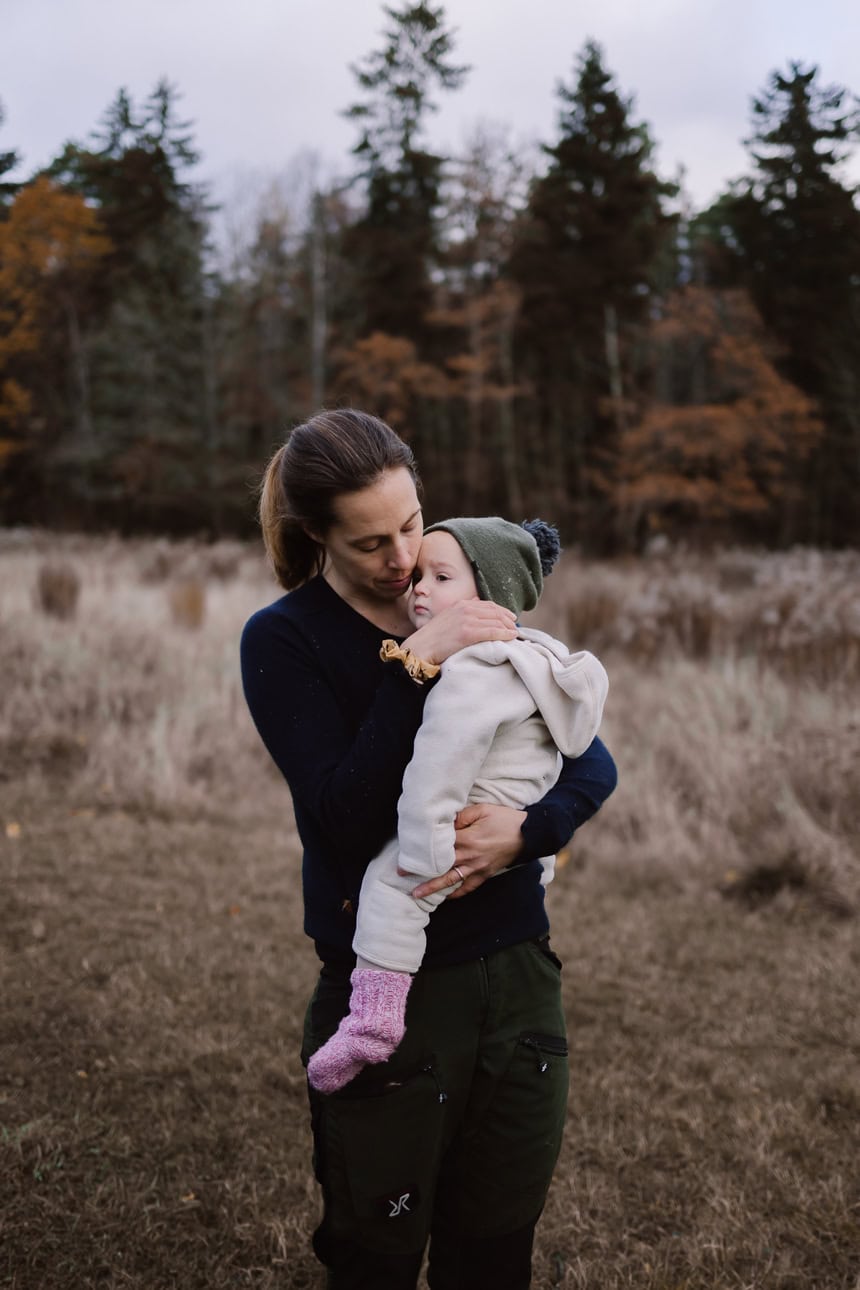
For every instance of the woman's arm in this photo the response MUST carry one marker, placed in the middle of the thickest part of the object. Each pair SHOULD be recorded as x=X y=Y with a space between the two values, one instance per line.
x=346 y=780
x=582 y=787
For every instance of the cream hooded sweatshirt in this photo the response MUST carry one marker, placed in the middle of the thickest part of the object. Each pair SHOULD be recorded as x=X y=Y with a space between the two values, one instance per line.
x=493 y=728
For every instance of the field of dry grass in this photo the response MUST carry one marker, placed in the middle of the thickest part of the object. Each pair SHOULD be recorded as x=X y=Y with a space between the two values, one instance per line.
x=153 y=973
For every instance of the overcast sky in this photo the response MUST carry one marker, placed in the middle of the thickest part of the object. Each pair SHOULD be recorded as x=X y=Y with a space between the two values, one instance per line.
x=265 y=80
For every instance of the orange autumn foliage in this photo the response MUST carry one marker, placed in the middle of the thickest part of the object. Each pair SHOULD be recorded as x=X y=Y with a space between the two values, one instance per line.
x=478 y=374
x=384 y=373
x=729 y=434
x=49 y=240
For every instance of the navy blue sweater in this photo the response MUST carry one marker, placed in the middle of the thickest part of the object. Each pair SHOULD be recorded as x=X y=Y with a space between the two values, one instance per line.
x=340 y=725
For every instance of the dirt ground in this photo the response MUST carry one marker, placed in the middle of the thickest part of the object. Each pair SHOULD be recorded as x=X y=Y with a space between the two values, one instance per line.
x=153 y=1109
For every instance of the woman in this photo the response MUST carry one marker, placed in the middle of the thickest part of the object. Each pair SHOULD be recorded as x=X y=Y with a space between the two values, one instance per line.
x=455 y=1137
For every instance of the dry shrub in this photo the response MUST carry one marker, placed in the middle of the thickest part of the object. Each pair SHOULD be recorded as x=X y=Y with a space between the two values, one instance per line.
x=187 y=601
x=158 y=561
x=797 y=611
x=791 y=878
x=57 y=755
x=58 y=589
x=164 y=559
x=222 y=560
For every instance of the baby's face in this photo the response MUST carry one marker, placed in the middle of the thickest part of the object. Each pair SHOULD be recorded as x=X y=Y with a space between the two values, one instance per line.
x=442 y=577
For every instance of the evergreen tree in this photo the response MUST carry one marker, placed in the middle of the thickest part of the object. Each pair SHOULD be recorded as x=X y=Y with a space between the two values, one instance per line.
x=154 y=433
x=791 y=233
x=585 y=263
x=393 y=245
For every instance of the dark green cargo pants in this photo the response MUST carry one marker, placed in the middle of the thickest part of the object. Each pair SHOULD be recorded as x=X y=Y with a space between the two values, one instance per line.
x=455 y=1137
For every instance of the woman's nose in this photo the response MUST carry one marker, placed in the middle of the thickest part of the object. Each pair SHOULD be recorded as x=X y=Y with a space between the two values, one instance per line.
x=401 y=557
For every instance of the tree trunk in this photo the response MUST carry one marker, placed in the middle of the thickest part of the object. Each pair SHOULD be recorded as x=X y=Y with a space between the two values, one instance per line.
x=613 y=362
x=507 y=431
x=210 y=412
x=319 y=325
x=83 y=404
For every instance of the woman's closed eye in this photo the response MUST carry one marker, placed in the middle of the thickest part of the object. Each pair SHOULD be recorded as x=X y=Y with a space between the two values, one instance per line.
x=367 y=548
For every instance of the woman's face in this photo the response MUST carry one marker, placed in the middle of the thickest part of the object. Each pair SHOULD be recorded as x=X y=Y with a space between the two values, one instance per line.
x=372 y=545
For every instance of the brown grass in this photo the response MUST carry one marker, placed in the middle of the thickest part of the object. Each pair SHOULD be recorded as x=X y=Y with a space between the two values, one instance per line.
x=153 y=973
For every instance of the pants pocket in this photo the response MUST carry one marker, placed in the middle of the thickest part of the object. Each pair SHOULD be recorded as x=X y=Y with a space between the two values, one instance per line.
x=515 y=1121
x=380 y=1143
x=521 y=1137
x=545 y=950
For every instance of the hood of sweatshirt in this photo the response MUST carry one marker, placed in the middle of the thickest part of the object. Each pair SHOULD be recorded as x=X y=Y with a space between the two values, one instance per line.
x=569 y=690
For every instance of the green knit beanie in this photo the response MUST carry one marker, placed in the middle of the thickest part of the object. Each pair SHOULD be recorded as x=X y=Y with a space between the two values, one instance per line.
x=509 y=560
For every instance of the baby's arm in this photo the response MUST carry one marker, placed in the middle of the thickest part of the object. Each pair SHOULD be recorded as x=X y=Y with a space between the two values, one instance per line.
x=461 y=718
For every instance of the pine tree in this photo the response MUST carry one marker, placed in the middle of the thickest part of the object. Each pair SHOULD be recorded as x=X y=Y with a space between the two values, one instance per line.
x=585 y=262
x=791 y=232
x=153 y=422
x=393 y=245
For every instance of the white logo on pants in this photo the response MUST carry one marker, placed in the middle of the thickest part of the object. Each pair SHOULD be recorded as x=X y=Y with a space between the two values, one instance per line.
x=399 y=1207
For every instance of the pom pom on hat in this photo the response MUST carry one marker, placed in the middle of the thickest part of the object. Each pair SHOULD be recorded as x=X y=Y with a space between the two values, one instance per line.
x=548 y=543
x=509 y=560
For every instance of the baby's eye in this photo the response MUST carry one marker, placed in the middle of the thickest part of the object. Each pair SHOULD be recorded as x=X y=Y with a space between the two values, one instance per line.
x=441 y=577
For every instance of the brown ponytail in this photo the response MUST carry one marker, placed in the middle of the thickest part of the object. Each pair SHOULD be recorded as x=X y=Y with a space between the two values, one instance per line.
x=332 y=453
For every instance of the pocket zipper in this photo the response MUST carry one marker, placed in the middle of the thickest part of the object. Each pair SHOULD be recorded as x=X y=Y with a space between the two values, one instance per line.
x=429 y=1069
x=541 y=1044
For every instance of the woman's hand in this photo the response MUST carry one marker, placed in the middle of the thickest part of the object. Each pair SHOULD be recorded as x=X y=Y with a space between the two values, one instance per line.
x=487 y=840
x=462 y=624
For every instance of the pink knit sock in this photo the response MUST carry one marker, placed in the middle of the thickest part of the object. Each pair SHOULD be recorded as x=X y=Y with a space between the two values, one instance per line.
x=369 y=1032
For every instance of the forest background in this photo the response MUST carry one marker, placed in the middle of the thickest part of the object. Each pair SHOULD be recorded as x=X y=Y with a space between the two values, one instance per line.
x=558 y=333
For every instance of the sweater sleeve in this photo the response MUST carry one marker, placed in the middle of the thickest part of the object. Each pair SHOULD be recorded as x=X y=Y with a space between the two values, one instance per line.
x=582 y=788
x=347 y=782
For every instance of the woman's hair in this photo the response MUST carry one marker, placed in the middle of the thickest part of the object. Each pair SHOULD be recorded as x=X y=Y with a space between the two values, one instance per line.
x=332 y=453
